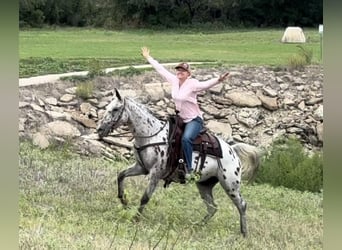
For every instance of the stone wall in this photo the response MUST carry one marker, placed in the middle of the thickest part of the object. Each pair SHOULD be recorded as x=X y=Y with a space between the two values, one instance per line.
x=255 y=105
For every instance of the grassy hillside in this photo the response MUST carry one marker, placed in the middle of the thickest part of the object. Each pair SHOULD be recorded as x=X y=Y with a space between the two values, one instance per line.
x=69 y=202
x=64 y=50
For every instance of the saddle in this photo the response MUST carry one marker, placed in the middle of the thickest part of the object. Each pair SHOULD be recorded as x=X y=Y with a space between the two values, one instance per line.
x=205 y=144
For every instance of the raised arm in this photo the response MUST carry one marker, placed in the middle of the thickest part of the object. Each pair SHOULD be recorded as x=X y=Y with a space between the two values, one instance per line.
x=212 y=82
x=145 y=52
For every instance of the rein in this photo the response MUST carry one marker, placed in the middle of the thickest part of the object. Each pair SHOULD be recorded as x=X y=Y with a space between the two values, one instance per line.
x=125 y=134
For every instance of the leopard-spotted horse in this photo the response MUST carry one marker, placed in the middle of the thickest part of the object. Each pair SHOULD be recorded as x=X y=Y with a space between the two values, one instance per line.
x=152 y=142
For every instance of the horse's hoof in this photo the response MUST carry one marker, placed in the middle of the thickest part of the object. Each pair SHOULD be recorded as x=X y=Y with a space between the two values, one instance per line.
x=123 y=200
x=136 y=218
x=243 y=232
x=124 y=204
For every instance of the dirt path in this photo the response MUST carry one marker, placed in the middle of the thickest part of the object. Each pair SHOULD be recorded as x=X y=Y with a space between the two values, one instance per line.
x=51 y=78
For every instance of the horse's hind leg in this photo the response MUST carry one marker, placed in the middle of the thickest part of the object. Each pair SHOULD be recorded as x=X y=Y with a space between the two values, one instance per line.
x=205 y=189
x=232 y=188
x=241 y=205
x=133 y=170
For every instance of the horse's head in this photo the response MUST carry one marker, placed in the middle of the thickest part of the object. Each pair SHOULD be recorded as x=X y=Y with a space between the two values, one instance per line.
x=114 y=115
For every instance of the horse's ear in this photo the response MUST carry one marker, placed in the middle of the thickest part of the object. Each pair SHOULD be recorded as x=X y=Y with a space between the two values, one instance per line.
x=118 y=95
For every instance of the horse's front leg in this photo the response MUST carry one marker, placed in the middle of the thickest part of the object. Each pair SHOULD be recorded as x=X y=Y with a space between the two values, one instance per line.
x=206 y=191
x=133 y=170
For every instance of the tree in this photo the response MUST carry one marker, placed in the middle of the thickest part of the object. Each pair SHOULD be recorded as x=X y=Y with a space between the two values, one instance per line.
x=170 y=13
x=30 y=13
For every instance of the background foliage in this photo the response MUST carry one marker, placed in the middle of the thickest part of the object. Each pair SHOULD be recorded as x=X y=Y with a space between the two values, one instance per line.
x=287 y=164
x=171 y=13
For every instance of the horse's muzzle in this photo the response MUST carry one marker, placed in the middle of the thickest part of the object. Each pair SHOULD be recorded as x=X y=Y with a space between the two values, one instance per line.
x=102 y=132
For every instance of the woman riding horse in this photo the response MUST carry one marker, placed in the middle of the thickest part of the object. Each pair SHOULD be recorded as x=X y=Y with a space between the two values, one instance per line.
x=184 y=94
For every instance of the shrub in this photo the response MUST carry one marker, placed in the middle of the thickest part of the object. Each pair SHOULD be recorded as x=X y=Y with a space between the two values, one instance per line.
x=95 y=69
x=305 y=53
x=84 y=90
x=296 y=62
x=287 y=164
x=302 y=58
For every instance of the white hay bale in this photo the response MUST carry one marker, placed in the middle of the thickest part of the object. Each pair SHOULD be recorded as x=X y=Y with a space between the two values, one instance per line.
x=293 y=35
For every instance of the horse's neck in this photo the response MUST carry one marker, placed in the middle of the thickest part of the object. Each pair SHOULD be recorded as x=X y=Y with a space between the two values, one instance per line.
x=143 y=123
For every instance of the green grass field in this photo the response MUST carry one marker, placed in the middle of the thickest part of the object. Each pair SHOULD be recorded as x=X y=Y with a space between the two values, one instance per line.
x=70 y=49
x=70 y=202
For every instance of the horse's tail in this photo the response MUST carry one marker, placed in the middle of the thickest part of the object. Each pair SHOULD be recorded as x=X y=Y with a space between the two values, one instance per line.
x=250 y=159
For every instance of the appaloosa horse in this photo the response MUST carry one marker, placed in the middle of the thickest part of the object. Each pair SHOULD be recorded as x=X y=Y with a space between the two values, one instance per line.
x=151 y=153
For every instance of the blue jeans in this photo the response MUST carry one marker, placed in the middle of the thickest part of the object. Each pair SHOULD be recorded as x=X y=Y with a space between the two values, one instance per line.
x=191 y=131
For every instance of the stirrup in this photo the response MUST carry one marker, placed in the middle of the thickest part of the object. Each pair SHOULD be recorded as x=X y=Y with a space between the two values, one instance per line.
x=182 y=165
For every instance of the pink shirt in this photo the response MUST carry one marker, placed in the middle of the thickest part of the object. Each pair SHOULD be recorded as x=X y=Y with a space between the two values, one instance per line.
x=185 y=96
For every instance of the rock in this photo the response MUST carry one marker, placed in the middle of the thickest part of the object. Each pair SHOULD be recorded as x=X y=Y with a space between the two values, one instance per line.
x=88 y=110
x=60 y=128
x=220 y=128
x=51 y=101
x=40 y=140
x=267 y=102
x=314 y=100
x=270 y=92
x=221 y=100
x=56 y=115
x=22 y=124
x=23 y=104
x=67 y=98
x=319 y=129
x=217 y=89
x=119 y=141
x=301 y=105
x=288 y=102
x=36 y=107
x=318 y=113
x=243 y=99
x=155 y=91
x=83 y=119
x=71 y=90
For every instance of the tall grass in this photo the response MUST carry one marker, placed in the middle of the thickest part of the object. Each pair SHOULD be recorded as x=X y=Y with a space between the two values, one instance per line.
x=69 y=49
x=85 y=89
x=302 y=58
x=69 y=202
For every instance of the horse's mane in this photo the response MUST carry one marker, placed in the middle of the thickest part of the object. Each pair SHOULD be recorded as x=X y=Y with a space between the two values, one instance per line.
x=145 y=109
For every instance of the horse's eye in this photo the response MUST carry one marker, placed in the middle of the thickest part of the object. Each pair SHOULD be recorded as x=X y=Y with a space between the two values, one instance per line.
x=115 y=110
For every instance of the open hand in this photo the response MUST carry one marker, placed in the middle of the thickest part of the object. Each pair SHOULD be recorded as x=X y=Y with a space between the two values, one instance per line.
x=145 y=52
x=223 y=77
